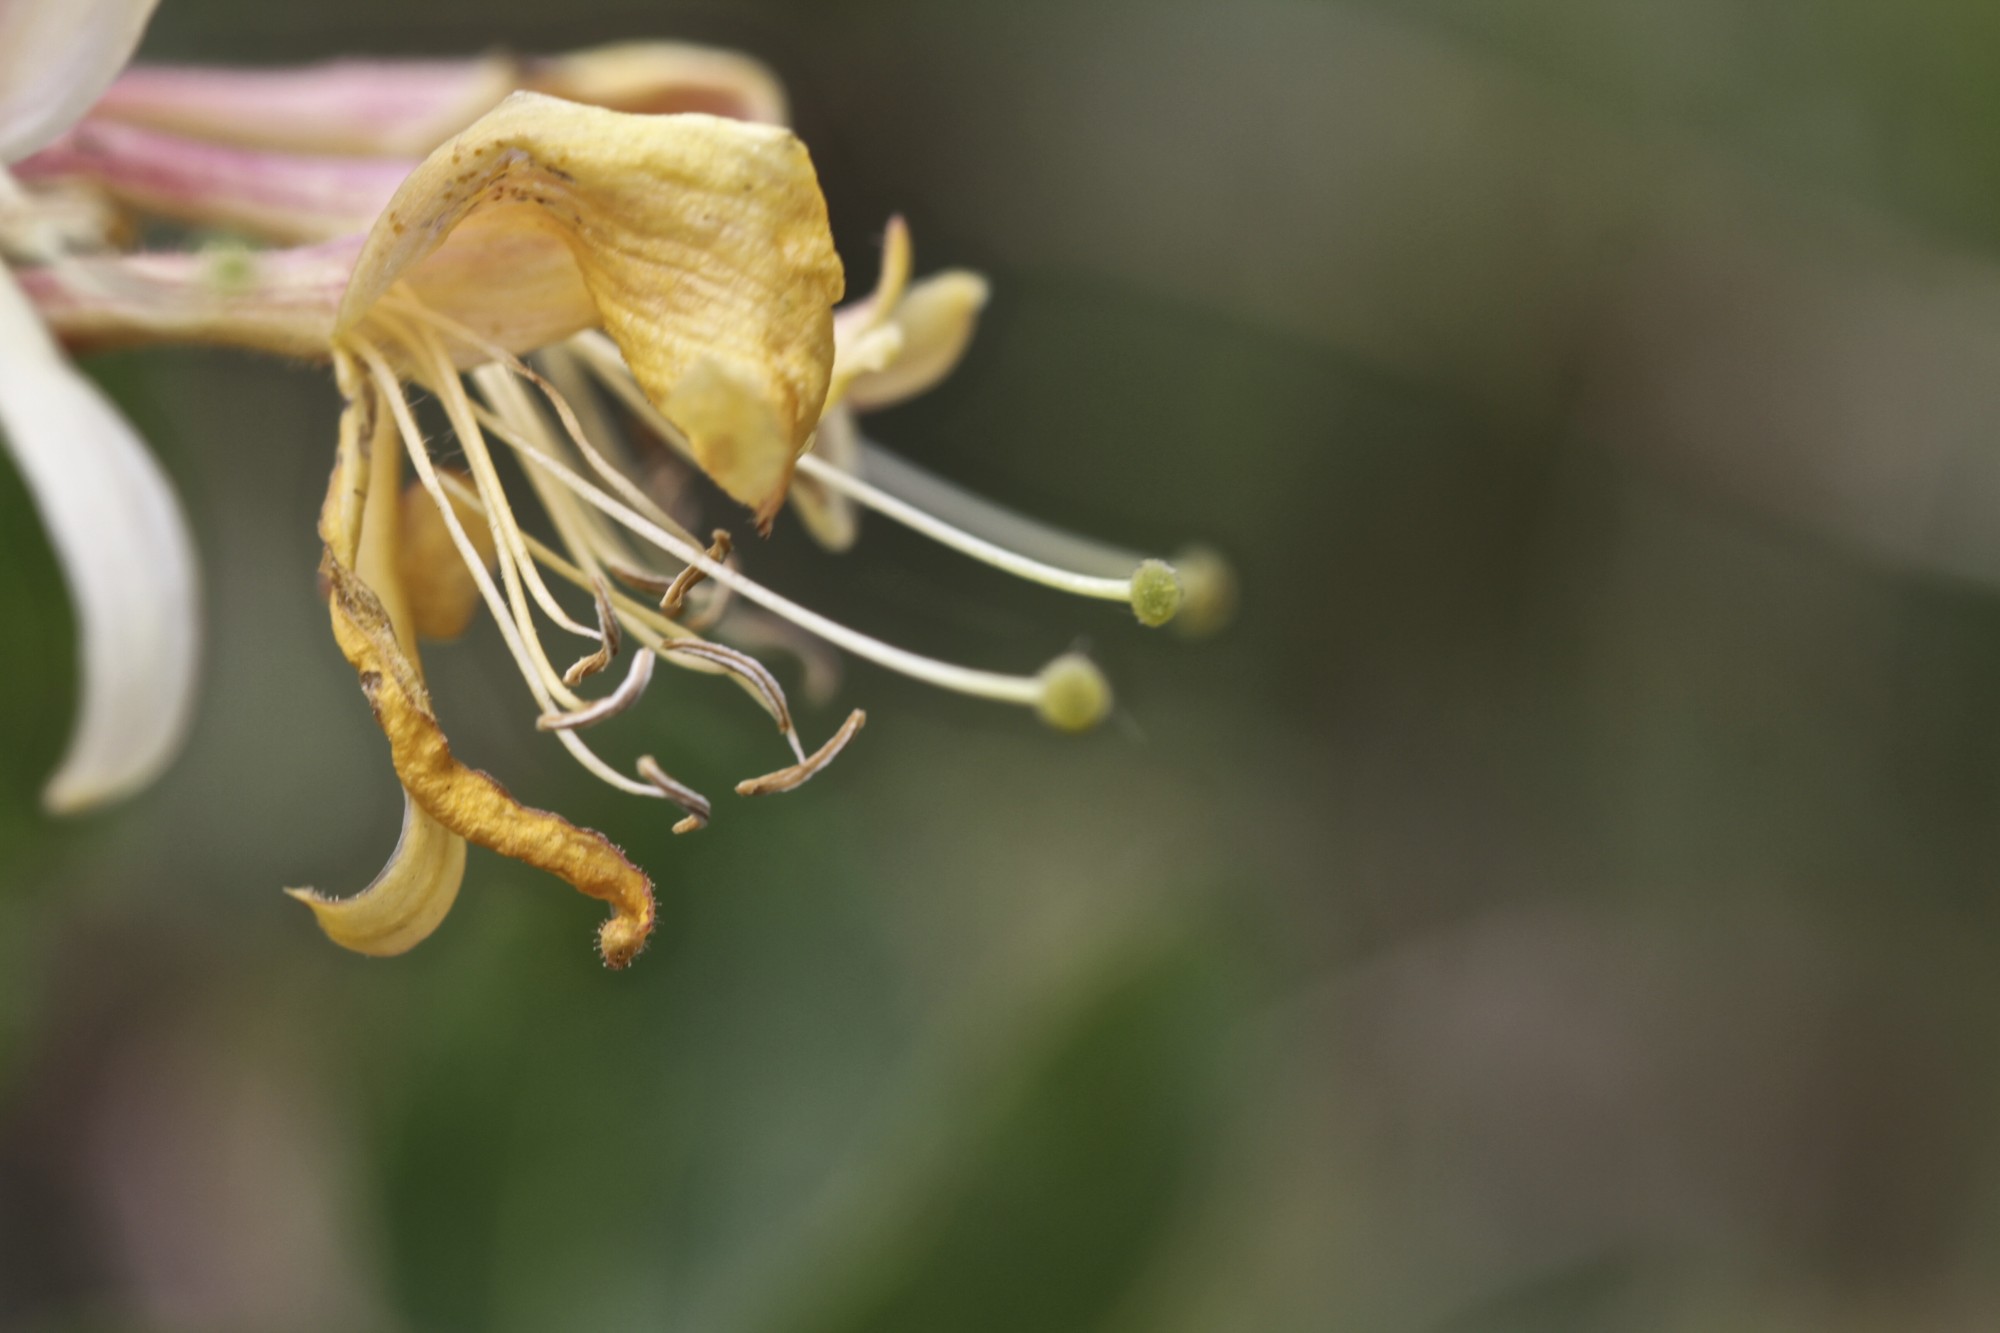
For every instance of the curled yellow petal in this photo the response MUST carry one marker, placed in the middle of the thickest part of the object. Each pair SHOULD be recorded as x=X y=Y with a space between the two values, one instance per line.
x=866 y=337
x=936 y=318
x=464 y=800
x=702 y=244
x=447 y=803
x=410 y=897
x=404 y=903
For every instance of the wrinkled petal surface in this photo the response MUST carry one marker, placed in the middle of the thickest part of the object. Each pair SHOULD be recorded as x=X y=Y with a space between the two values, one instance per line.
x=56 y=58
x=446 y=802
x=466 y=801
x=703 y=245
x=126 y=555
x=406 y=902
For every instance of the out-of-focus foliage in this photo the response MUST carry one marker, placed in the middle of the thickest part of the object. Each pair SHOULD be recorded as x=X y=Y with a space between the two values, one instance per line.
x=1563 y=901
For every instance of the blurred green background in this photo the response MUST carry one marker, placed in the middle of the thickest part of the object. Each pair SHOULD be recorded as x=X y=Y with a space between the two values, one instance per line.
x=1563 y=900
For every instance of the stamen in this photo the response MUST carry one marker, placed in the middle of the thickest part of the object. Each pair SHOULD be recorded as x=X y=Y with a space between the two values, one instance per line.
x=391 y=390
x=748 y=669
x=1149 y=586
x=584 y=530
x=637 y=677
x=607 y=635
x=758 y=632
x=643 y=622
x=945 y=675
x=786 y=779
x=895 y=475
x=686 y=797
x=627 y=489
x=1028 y=690
x=1152 y=591
x=677 y=591
x=517 y=569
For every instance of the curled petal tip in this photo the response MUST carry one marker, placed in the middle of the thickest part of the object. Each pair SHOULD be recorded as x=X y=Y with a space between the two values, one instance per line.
x=55 y=60
x=622 y=938
x=126 y=555
x=406 y=902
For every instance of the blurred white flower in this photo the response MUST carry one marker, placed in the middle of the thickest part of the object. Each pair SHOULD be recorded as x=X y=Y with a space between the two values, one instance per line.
x=109 y=509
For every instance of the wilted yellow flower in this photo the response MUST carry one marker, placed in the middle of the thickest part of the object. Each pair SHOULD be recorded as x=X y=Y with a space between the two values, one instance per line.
x=685 y=263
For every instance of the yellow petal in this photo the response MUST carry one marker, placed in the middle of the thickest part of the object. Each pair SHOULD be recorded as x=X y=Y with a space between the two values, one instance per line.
x=937 y=319
x=414 y=891
x=702 y=244
x=359 y=524
x=464 y=800
x=865 y=335
x=405 y=903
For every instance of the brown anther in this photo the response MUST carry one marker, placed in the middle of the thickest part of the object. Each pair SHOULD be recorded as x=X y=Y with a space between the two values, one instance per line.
x=672 y=604
x=609 y=640
x=644 y=580
x=755 y=673
x=785 y=779
x=686 y=797
x=637 y=677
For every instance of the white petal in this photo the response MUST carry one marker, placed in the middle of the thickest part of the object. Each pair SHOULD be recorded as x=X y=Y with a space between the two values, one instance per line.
x=56 y=58
x=125 y=553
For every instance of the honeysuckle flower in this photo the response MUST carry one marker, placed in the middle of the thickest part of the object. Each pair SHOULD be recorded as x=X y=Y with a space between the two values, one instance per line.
x=109 y=510
x=895 y=344
x=702 y=245
x=683 y=261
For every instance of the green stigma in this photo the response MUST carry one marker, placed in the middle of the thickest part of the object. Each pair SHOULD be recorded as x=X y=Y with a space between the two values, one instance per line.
x=1156 y=593
x=1075 y=695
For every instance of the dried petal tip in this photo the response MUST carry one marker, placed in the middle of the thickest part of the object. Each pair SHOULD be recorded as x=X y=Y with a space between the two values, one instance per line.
x=1156 y=593
x=405 y=903
x=621 y=939
x=1209 y=582
x=1075 y=695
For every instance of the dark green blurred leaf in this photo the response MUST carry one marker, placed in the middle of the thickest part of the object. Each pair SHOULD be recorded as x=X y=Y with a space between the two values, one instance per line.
x=1077 y=1161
